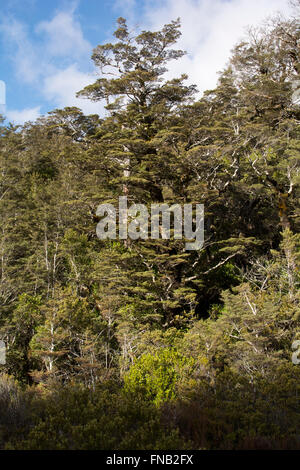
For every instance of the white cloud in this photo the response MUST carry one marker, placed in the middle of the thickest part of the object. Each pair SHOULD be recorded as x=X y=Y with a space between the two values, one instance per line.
x=126 y=8
x=124 y=5
x=37 y=62
x=28 y=68
x=64 y=36
x=62 y=86
x=24 y=115
x=210 y=29
x=56 y=60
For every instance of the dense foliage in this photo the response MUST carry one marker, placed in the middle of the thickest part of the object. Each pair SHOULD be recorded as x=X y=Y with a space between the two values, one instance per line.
x=139 y=344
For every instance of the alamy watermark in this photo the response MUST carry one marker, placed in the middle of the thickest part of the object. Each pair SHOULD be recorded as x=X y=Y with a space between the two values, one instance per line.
x=296 y=92
x=2 y=97
x=2 y=353
x=296 y=353
x=162 y=221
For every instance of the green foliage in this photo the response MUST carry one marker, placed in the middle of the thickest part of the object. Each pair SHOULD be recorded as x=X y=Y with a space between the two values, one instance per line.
x=75 y=418
x=139 y=344
x=157 y=376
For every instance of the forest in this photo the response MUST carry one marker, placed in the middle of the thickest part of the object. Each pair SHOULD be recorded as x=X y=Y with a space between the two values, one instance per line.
x=142 y=344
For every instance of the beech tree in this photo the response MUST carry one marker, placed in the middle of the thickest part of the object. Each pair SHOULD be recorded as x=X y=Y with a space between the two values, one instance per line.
x=140 y=343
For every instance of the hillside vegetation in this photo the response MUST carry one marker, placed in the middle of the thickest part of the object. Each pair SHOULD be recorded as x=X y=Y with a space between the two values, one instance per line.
x=140 y=344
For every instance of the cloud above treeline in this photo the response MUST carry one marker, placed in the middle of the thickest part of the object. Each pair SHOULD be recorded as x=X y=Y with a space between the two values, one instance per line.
x=24 y=115
x=210 y=29
x=37 y=62
x=54 y=58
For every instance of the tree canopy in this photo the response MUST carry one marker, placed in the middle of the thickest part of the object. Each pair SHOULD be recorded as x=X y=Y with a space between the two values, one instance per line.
x=156 y=346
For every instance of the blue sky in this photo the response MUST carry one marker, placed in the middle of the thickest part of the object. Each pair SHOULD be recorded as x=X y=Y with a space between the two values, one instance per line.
x=45 y=45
